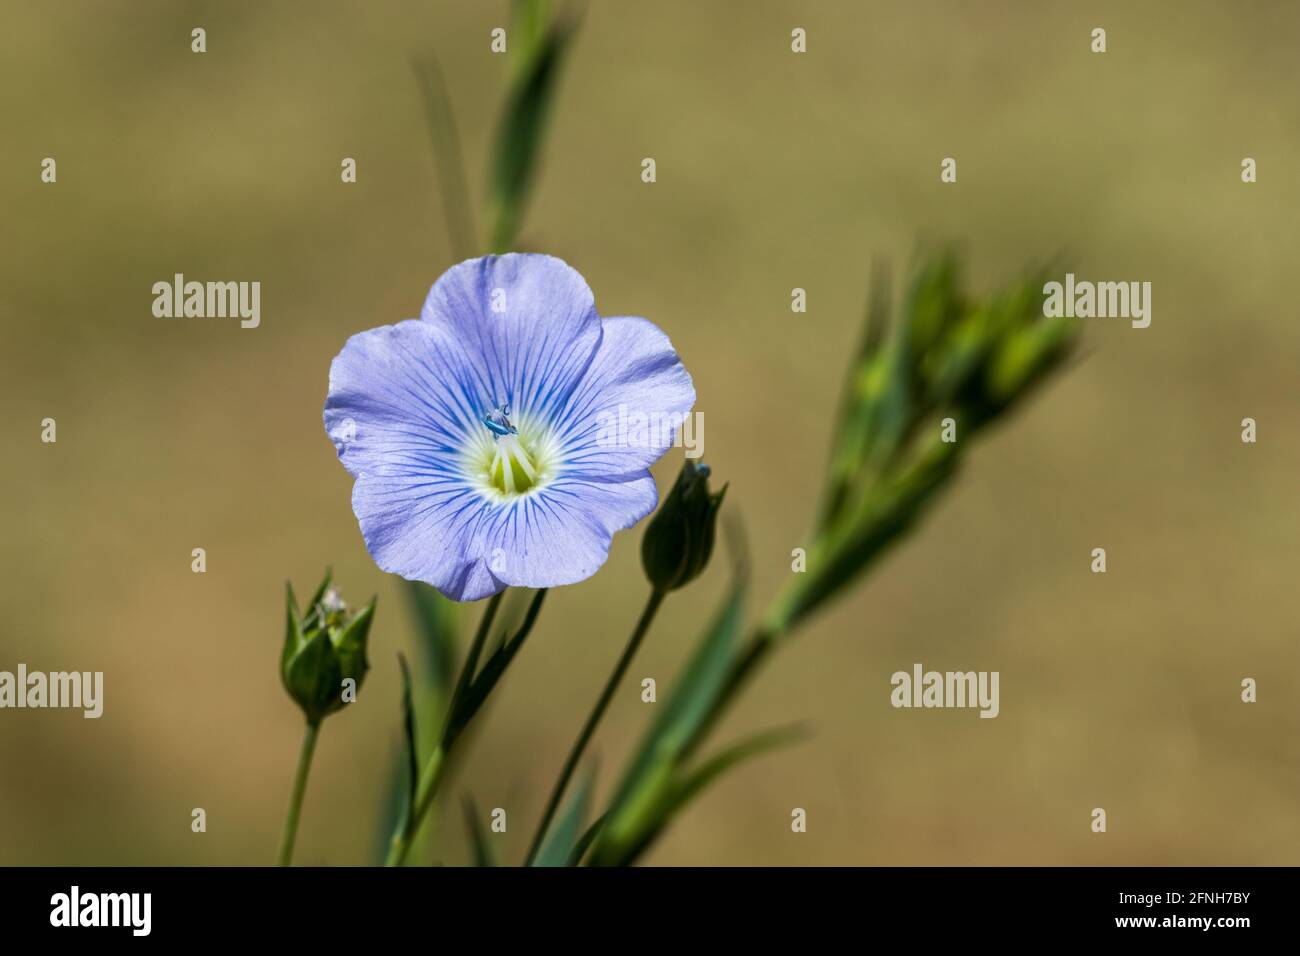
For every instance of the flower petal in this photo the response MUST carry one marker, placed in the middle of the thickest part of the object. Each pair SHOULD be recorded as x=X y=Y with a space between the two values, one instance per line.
x=469 y=548
x=526 y=323
x=623 y=415
x=400 y=402
x=561 y=535
x=435 y=531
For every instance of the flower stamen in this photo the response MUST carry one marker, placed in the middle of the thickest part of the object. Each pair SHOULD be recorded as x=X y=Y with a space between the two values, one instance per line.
x=512 y=459
x=512 y=470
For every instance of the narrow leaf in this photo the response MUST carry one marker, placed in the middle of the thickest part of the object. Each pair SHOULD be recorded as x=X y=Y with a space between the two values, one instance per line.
x=481 y=686
x=693 y=783
x=528 y=19
x=408 y=725
x=685 y=713
x=478 y=836
x=566 y=829
x=437 y=621
x=585 y=841
x=520 y=133
x=441 y=120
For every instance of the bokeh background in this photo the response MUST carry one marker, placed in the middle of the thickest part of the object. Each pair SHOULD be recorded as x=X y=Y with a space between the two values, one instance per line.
x=774 y=171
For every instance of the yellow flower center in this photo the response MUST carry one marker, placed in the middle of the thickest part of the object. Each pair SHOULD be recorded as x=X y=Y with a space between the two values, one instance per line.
x=511 y=469
x=513 y=463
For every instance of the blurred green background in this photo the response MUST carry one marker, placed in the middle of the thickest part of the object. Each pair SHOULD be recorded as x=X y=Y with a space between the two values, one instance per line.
x=774 y=171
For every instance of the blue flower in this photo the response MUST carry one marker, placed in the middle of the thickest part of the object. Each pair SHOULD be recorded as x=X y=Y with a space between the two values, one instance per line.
x=488 y=438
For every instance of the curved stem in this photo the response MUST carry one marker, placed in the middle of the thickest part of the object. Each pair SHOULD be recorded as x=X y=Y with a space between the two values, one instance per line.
x=299 y=789
x=589 y=728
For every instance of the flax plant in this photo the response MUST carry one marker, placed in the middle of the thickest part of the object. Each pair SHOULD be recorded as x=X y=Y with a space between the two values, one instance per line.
x=472 y=437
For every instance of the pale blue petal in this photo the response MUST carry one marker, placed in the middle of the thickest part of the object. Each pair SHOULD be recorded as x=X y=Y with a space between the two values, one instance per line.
x=435 y=531
x=561 y=534
x=626 y=409
x=401 y=402
x=526 y=322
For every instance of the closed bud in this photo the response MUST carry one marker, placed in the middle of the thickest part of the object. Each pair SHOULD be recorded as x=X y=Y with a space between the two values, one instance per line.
x=324 y=646
x=679 y=540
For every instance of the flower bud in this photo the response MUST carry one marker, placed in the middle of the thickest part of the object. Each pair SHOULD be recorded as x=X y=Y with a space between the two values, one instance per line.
x=323 y=648
x=679 y=539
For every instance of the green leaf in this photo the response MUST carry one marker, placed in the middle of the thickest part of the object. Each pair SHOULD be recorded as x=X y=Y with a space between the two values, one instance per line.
x=521 y=131
x=408 y=727
x=853 y=419
x=437 y=621
x=510 y=617
x=895 y=504
x=689 y=785
x=452 y=182
x=437 y=626
x=528 y=19
x=753 y=746
x=934 y=301
x=478 y=835
x=1026 y=357
x=585 y=841
x=673 y=734
x=480 y=686
x=566 y=829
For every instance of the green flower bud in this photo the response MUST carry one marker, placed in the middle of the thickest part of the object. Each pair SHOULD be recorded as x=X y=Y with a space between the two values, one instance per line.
x=679 y=540
x=323 y=649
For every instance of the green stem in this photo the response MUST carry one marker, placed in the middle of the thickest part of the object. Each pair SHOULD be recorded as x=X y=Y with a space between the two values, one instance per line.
x=299 y=788
x=589 y=728
x=471 y=660
x=431 y=777
x=424 y=794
